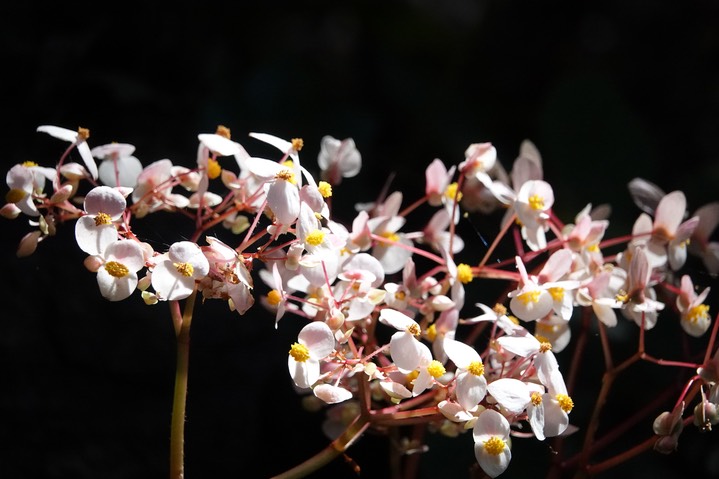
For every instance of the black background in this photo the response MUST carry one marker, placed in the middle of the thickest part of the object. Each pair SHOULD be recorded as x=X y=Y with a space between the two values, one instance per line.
x=606 y=91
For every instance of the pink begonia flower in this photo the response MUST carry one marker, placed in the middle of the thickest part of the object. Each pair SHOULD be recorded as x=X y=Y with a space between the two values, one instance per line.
x=282 y=188
x=153 y=191
x=96 y=230
x=406 y=350
x=175 y=272
x=479 y=159
x=535 y=296
x=437 y=180
x=228 y=277
x=491 y=448
x=498 y=315
x=599 y=293
x=78 y=139
x=471 y=382
x=695 y=318
x=117 y=277
x=700 y=243
x=338 y=159
x=670 y=234
x=118 y=167
x=315 y=342
x=534 y=200
x=26 y=180
x=640 y=301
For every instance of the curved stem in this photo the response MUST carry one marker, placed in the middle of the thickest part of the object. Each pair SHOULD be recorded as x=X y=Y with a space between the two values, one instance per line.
x=177 y=430
x=334 y=449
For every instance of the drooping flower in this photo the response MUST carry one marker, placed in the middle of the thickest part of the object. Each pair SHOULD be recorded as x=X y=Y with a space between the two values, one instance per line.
x=117 y=277
x=315 y=342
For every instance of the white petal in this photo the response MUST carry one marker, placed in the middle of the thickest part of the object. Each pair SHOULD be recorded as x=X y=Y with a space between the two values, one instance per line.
x=510 y=393
x=332 y=394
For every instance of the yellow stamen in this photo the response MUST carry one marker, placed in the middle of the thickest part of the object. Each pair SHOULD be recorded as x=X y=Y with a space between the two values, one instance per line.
x=557 y=293
x=315 y=238
x=83 y=134
x=325 y=189
x=287 y=175
x=29 y=164
x=435 y=369
x=102 y=219
x=536 y=398
x=223 y=131
x=565 y=402
x=451 y=191
x=274 y=297
x=464 y=273
x=494 y=445
x=544 y=346
x=116 y=269
x=185 y=269
x=299 y=352
x=698 y=312
x=414 y=330
x=431 y=333
x=536 y=202
x=499 y=309
x=213 y=168
x=297 y=143
x=532 y=296
x=476 y=368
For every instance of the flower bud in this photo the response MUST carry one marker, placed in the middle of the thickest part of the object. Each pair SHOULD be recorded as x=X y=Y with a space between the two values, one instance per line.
x=706 y=415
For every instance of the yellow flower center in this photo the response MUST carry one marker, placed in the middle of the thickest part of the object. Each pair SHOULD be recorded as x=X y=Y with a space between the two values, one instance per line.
x=287 y=175
x=530 y=296
x=116 y=269
x=464 y=273
x=185 y=269
x=102 y=219
x=557 y=293
x=698 y=312
x=565 y=402
x=499 y=309
x=411 y=376
x=431 y=333
x=394 y=237
x=476 y=368
x=29 y=164
x=297 y=143
x=414 y=330
x=213 y=168
x=299 y=352
x=223 y=131
x=536 y=202
x=494 y=445
x=435 y=369
x=15 y=195
x=315 y=237
x=274 y=297
x=325 y=189
x=83 y=134
x=536 y=398
x=544 y=346
x=451 y=191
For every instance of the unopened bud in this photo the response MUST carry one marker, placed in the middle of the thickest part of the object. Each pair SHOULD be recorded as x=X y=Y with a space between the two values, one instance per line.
x=706 y=415
x=10 y=211
x=28 y=244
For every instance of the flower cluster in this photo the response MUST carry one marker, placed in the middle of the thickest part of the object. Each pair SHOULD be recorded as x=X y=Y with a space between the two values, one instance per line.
x=391 y=331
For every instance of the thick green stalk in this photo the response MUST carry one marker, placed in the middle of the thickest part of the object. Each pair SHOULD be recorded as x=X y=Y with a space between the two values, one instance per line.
x=177 y=431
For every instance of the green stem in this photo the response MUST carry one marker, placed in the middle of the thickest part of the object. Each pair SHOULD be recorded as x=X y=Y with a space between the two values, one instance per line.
x=177 y=431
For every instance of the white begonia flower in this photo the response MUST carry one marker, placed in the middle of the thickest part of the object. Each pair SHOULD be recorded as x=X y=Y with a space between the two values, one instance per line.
x=491 y=448
x=117 y=277
x=23 y=184
x=78 y=139
x=406 y=350
x=118 y=167
x=338 y=159
x=315 y=342
x=174 y=276
x=471 y=382
x=531 y=300
x=695 y=318
x=95 y=231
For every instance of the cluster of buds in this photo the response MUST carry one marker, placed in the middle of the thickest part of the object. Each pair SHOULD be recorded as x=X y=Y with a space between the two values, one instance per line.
x=390 y=334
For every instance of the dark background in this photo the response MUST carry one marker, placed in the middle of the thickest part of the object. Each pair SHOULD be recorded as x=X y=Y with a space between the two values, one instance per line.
x=606 y=91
